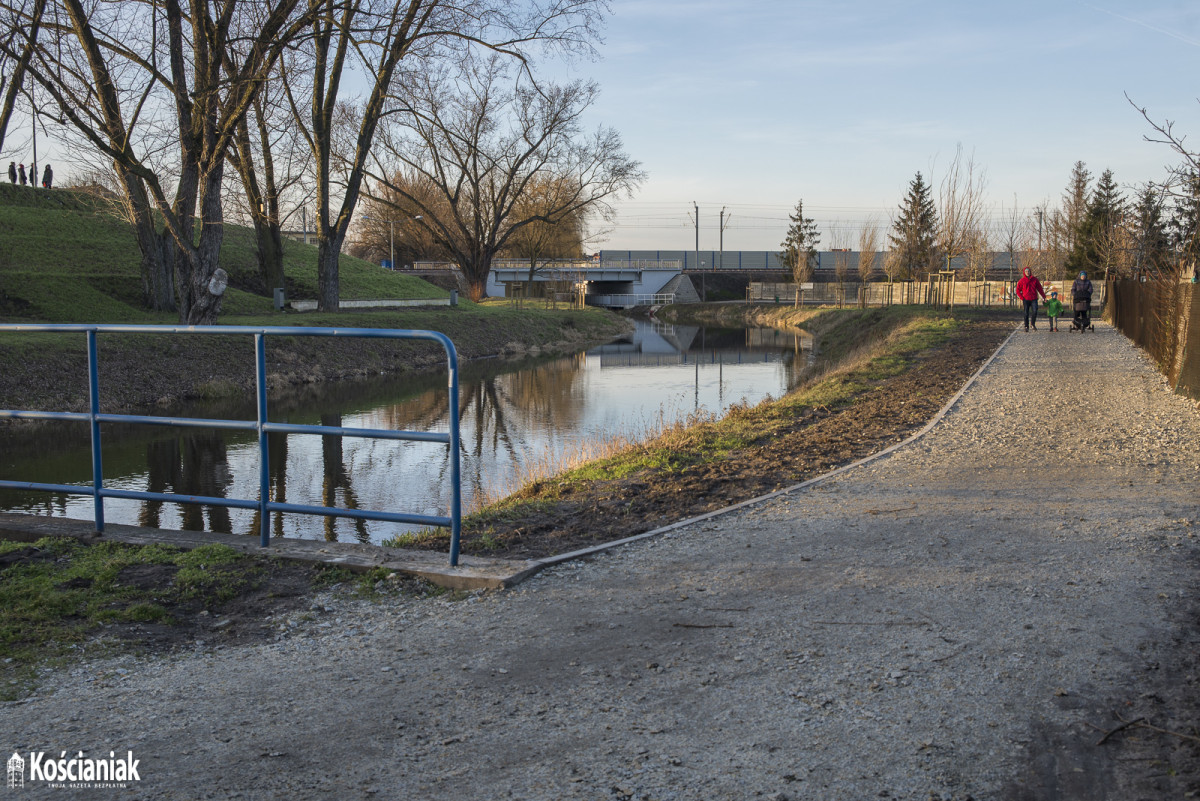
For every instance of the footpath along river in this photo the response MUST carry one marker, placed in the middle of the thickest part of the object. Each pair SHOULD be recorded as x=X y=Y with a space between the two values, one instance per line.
x=976 y=616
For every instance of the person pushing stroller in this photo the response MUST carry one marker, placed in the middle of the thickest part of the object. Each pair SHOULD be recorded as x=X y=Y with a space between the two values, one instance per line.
x=1081 y=296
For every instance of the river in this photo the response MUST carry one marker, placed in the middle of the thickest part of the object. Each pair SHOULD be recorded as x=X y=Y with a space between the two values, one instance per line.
x=518 y=420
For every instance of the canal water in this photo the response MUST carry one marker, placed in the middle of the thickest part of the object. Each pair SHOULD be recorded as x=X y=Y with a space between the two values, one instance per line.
x=517 y=420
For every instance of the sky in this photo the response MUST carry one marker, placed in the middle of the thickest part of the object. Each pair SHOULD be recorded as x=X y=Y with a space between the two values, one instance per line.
x=755 y=105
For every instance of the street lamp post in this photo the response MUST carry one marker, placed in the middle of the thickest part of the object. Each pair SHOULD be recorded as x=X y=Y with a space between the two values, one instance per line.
x=392 y=244
x=391 y=235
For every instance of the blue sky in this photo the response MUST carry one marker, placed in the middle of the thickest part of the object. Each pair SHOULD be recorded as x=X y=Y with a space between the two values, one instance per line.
x=753 y=106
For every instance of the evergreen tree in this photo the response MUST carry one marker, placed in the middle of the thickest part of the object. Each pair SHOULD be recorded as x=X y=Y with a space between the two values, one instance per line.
x=915 y=230
x=800 y=245
x=1185 y=224
x=1065 y=224
x=1095 y=236
x=1151 y=238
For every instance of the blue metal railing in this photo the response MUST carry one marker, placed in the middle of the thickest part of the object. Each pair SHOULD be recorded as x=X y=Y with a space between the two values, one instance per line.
x=261 y=425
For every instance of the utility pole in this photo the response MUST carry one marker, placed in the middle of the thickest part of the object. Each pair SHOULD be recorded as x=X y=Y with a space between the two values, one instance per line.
x=1040 y=212
x=722 y=240
x=696 y=266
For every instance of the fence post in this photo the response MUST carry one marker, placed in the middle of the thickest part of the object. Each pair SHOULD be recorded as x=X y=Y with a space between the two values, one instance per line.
x=264 y=467
x=455 y=480
x=94 y=405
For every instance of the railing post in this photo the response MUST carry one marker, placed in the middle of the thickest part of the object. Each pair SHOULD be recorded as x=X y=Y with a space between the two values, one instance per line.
x=264 y=466
x=455 y=478
x=94 y=405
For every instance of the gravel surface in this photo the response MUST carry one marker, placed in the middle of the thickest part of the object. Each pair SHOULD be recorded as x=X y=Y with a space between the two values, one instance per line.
x=964 y=619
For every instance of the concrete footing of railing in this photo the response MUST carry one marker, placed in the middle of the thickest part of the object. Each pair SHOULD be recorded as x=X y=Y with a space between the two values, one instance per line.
x=472 y=572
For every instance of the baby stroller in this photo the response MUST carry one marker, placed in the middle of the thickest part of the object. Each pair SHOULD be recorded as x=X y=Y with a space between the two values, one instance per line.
x=1082 y=321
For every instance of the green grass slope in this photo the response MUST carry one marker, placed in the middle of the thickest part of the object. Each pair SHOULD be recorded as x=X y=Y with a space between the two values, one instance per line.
x=66 y=256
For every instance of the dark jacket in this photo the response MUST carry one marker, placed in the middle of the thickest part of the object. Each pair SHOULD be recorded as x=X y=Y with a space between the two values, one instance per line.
x=1081 y=290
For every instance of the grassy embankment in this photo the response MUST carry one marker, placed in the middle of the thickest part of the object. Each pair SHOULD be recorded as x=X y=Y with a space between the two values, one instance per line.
x=860 y=350
x=66 y=257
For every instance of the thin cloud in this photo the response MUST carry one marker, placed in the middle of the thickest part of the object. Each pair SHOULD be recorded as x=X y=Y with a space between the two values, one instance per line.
x=1173 y=34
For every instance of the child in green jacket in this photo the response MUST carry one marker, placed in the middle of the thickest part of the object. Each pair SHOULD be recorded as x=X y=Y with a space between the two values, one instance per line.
x=1053 y=309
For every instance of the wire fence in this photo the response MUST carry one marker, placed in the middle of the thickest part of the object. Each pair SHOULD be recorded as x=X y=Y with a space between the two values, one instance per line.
x=898 y=293
x=1162 y=318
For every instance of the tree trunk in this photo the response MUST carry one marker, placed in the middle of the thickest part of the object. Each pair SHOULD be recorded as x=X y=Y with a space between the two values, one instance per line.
x=157 y=266
x=270 y=253
x=328 y=283
x=203 y=260
x=475 y=270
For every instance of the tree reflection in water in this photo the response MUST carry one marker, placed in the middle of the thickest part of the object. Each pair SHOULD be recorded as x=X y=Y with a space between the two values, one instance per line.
x=514 y=419
x=195 y=463
x=277 y=452
x=337 y=478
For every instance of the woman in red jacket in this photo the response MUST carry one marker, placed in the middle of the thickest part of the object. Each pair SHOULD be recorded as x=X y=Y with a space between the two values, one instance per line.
x=1028 y=289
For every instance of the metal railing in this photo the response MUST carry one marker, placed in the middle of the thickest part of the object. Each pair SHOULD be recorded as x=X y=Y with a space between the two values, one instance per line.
x=261 y=425
x=630 y=300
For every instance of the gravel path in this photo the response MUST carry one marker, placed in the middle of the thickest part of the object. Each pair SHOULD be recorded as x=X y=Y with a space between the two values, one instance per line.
x=960 y=620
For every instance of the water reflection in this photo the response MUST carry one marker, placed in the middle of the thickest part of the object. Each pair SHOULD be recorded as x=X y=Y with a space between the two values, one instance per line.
x=192 y=464
x=511 y=416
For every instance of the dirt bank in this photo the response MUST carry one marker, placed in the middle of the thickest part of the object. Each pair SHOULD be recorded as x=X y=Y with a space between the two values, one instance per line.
x=49 y=371
x=556 y=517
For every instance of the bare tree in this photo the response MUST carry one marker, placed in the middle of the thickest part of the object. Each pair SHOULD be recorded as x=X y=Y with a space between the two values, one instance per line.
x=20 y=23
x=868 y=255
x=378 y=37
x=960 y=207
x=121 y=73
x=1014 y=236
x=840 y=244
x=541 y=243
x=484 y=141
x=978 y=254
x=271 y=163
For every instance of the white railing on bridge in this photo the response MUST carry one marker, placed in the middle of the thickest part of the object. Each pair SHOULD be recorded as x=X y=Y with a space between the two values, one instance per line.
x=584 y=265
x=641 y=264
x=626 y=301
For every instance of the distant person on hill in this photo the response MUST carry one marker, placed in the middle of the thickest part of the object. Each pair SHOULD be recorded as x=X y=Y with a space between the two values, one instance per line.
x=1054 y=308
x=12 y=171
x=47 y=177
x=1028 y=289
x=21 y=172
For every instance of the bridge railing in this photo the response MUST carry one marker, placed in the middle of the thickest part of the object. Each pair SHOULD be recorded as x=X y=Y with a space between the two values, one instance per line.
x=630 y=300
x=261 y=425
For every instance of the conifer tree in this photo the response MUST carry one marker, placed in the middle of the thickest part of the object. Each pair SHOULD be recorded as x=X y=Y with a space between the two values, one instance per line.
x=915 y=230
x=1151 y=238
x=800 y=245
x=1095 y=235
x=1185 y=224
